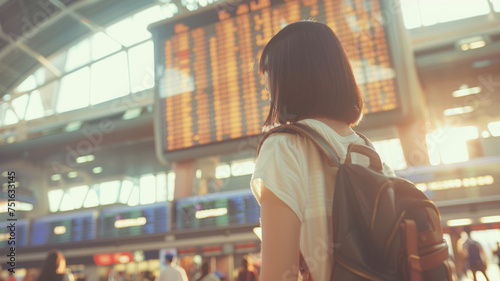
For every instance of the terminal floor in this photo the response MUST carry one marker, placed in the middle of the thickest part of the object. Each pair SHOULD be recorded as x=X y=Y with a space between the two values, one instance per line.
x=493 y=273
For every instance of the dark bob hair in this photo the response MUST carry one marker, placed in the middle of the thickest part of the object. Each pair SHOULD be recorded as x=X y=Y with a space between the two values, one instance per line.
x=309 y=76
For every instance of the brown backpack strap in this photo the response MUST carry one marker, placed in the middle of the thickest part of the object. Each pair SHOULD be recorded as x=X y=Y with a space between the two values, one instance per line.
x=309 y=133
x=367 y=141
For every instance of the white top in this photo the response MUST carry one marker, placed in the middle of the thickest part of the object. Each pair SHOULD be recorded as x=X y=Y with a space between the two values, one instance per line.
x=172 y=273
x=292 y=168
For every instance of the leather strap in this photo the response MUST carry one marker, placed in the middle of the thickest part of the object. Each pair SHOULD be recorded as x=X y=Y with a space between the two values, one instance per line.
x=415 y=267
x=367 y=141
x=375 y=161
x=436 y=258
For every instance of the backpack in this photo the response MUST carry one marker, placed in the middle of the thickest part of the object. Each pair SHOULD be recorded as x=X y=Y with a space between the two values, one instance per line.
x=384 y=228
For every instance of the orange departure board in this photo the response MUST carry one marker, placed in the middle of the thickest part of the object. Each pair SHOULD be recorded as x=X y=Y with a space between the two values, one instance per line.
x=208 y=86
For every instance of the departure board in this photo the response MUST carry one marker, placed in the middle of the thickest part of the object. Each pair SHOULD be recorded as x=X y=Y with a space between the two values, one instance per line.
x=133 y=221
x=66 y=228
x=217 y=210
x=14 y=236
x=209 y=88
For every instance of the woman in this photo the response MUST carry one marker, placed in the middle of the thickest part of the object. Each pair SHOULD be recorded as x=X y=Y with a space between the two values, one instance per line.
x=54 y=268
x=311 y=82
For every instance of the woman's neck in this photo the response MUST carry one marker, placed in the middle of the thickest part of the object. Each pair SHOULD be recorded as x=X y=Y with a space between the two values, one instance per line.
x=338 y=126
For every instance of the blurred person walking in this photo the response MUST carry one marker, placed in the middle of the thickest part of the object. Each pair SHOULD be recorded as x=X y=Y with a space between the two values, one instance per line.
x=54 y=268
x=247 y=271
x=205 y=274
x=171 y=272
x=474 y=255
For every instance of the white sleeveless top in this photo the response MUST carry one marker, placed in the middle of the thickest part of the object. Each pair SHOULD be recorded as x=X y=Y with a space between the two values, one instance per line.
x=292 y=168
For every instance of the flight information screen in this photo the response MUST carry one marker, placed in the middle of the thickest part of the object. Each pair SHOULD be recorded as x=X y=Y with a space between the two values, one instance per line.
x=133 y=221
x=14 y=236
x=75 y=227
x=209 y=87
x=217 y=210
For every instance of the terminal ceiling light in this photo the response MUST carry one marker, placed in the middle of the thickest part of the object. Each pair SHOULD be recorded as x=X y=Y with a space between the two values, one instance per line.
x=55 y=177
x=464 y=90
x=490 y=219
x=84 y=159
x=471 y=43
x=73 y=126
x=72 y=175
x=458 y=110
x=459 y=222
x=97 y=170
x=132 y=113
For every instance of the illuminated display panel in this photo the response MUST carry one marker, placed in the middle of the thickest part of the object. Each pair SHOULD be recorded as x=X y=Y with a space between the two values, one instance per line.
x=20 y=237
x=209 y=90
x=67 y=228
x=471 y=180
x=132 y=221
x=217 y=210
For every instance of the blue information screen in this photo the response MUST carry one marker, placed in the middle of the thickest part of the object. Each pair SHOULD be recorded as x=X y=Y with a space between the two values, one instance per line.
x=14 y=234
x=217 y=210
x=133 y=221
x=67 y=228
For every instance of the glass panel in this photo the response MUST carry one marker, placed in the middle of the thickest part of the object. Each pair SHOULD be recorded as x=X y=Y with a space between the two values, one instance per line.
x=74 y=91
x=47 y=93
x=134 y=197
x=391 y=153
x=411 y=13
x=148 y=16
x=67 y=203
x=127 y=33
x=171 y=186
x=40 y=75
x=78 y=194
x=35 y=106
x=432 y=10
x=432 y=149
x=161 y=187
x=109 y=79
x=10 y=118
x=125 y=191
x=241 y=168
x=92 y=199
x=19 y=105
x=148 y=186
x=27 y=85
x=496 y=5
x=141 y=65
x=78 y=55
x=3 y=109
x=103 y=45
x=108 y=192
x=55 y=197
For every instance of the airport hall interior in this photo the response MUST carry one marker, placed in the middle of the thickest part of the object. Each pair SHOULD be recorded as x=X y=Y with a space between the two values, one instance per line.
x=130 y=129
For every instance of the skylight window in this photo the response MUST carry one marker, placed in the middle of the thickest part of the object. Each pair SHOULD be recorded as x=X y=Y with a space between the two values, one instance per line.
x=109 y=79
x=74 y=91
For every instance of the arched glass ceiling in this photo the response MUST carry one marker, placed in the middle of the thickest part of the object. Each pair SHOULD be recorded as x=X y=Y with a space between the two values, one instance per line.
x=109 y=64
x=118 y=61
